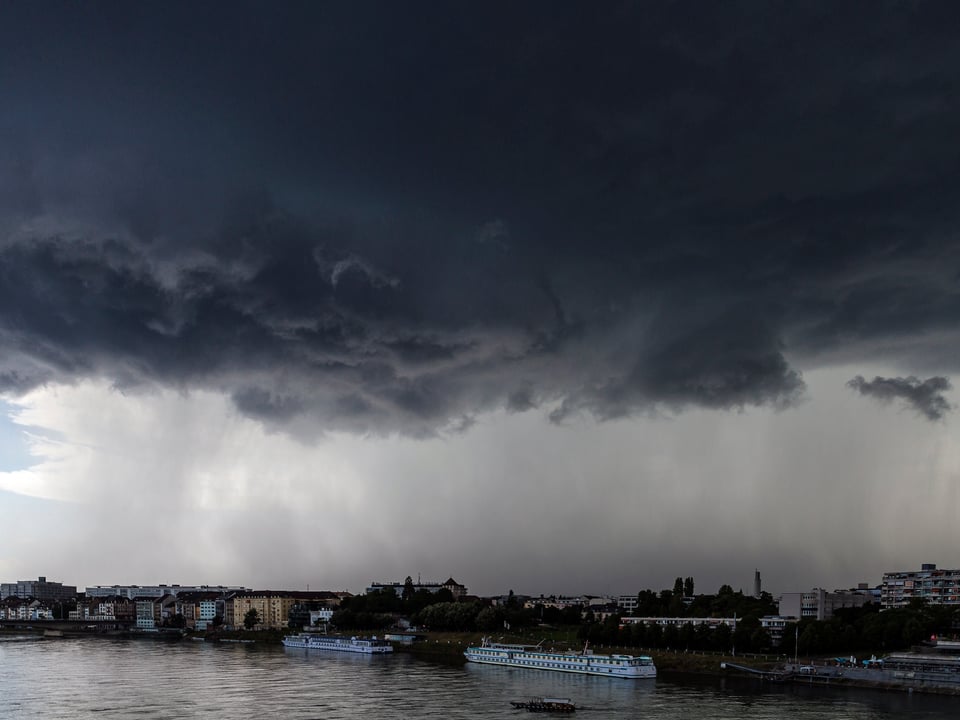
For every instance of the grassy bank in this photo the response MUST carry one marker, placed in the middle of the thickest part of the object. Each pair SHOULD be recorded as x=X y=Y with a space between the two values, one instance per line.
x=449 y=647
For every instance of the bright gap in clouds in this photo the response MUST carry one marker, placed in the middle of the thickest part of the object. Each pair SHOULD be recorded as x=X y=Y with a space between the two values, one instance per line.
x=14 y=450
x=170 y=487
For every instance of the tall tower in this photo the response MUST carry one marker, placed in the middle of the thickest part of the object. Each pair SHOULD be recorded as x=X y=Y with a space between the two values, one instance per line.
x=756 y=584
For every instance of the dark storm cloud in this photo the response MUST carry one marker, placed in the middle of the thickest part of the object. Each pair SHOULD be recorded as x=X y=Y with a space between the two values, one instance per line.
x=924 y=396
x=393 y=216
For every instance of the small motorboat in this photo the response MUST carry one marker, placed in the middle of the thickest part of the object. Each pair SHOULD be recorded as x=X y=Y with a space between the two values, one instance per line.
x=545 y=704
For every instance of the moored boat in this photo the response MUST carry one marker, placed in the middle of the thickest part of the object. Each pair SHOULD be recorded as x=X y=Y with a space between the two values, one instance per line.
x=545 y=704
x=583 y=663
x=367 y=646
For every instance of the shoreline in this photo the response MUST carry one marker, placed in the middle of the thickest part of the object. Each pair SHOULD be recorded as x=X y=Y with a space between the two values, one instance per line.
x=448 y=648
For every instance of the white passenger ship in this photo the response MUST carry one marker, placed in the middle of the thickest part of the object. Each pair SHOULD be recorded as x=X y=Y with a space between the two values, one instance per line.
x=585 y=663
x=369 y=646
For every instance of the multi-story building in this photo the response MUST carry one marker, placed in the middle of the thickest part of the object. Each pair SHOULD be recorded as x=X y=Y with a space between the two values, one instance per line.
x=627 y=603
x=324 y=615
x=199 y=609
x=560 y=602
x=776 y=626
x=711 y=622
x=13 y=608
x=105 y=609
x=585 y=602
x=818 y=604
x=148 y=612
x=272 y=606
x=40 y=589
x=132 y=592
x=933 y=586
x=455 y=588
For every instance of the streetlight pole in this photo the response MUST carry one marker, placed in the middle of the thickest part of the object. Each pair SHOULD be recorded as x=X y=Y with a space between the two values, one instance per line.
x=734 y=636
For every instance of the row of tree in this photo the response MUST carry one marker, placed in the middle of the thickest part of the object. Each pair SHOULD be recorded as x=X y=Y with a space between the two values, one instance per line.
x=851 y=630
x=437 y=611
x=681 y=602
x=408 y=602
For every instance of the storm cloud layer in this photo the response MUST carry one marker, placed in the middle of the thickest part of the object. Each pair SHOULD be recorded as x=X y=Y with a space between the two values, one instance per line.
x=390 y=217
x=924 y=396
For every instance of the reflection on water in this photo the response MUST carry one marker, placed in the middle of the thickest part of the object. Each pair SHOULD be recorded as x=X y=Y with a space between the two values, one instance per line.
x=67 y=678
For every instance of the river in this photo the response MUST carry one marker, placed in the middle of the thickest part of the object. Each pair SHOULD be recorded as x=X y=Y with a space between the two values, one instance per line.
x=90 y=678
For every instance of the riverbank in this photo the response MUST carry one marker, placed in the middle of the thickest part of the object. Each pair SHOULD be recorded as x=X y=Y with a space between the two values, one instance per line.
x=449 y=647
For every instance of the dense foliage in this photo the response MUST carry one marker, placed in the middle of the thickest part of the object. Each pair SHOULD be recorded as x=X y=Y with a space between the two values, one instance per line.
x=866 y=629
x=850 y=631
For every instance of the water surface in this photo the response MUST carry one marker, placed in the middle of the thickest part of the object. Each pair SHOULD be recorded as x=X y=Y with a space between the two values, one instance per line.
x=97 y=678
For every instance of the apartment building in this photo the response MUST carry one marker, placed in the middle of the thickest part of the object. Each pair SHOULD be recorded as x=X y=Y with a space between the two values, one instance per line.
x=199 y=609
x=132 y=592
x=818 y=604
x=935 y=587
x=272 y=606
x=777 y=626
x=39 y=589
x=711 y=622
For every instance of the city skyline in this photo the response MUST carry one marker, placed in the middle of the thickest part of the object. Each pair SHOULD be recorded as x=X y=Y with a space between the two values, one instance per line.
x=538 y=294
x=436 y=582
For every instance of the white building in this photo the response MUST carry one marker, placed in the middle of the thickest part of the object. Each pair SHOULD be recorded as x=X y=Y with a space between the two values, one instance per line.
x=711 y=622
x=627 y=603
x=323 y=615
x=208 y=611
x=559 y=602
x=818 y=604
x=132 y=592
x=776 y=626
x=146 y=613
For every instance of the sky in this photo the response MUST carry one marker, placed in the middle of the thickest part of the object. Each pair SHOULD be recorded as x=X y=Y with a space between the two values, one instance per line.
x=541 y=296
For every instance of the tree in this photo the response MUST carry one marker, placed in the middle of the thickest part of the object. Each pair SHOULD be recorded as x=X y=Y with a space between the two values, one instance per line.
x=177 y=621
x=451 y=616
x=671 y=637
x=678 y=586
x=571 y=615
x=489 y=619
x=251 y=619
x=688 y=587
x=298 y=617
x=722 y=638
x=648 y=605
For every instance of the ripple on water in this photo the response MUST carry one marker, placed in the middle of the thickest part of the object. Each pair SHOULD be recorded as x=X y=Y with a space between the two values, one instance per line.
x=150 y=679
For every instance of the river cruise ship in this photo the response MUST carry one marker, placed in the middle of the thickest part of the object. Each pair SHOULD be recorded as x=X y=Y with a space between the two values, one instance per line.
x=368 y=646
x=584 y=663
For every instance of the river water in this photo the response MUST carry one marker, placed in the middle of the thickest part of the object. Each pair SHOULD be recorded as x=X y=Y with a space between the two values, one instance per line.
x=89 y=678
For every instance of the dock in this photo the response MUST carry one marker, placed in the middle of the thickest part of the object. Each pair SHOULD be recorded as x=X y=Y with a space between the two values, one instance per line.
x=778 y=676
